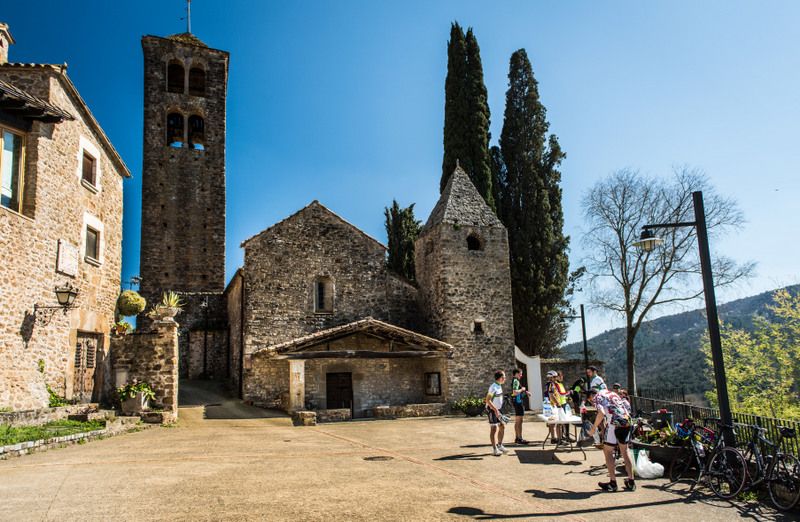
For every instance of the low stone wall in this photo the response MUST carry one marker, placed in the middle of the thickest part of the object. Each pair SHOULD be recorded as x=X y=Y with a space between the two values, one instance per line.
x=335 y=415
x=150 y=357
x=410 y=410
x=44 y=415
x=573 y=369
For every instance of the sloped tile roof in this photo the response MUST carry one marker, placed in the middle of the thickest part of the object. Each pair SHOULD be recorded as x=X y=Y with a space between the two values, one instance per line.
x=25 y=105
x=366 y=325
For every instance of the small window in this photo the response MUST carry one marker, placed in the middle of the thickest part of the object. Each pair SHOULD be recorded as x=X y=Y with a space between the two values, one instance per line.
x=433 y=383
x=477 y=327
x=197 y=81
x=175 y=130
x=175 y=77
x=197 y=133
x=92 y=244
x=474 y=242
x=89 y=169
x=11 y=177
x=323 y=295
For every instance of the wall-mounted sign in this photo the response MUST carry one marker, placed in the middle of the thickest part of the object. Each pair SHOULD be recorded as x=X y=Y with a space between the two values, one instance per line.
x=67 y=262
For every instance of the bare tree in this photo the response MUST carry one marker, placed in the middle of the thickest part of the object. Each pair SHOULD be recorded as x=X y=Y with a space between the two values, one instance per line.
x=631 y=282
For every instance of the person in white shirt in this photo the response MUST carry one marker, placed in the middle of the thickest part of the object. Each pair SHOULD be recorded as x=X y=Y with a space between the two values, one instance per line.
x=595 y=381
x=494 y=401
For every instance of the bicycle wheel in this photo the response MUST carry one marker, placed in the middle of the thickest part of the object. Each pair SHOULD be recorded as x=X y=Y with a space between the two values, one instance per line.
x=784 y=483
x=685 y=466
x=727 y=473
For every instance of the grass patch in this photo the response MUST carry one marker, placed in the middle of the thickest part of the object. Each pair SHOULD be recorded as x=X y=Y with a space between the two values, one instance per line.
x=14 y=435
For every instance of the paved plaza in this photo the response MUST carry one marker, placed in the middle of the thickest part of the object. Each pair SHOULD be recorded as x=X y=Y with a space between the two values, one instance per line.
x=227 y=461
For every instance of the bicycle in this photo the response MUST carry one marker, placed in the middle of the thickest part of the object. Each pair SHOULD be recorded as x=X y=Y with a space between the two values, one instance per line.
x=780 y=471
x=704 y=455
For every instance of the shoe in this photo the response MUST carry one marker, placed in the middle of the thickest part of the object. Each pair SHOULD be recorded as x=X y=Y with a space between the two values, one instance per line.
x=502 y=448
x=608 y=486
x=630 y=484
x=496 y=451
x=521 y=441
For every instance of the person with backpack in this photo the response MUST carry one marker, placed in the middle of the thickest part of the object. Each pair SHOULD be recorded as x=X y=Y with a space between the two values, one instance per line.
x=518 y=393
x=611 y=408
x=494 y=401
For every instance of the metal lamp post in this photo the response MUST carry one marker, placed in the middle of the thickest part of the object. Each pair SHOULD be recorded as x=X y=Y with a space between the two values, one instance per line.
x=582 y=317
x=647 y=242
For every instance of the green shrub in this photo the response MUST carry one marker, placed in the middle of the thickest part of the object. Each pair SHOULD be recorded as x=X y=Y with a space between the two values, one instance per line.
x=468 y=402
x=130 y=303
x=56 y=400
x=130 y=390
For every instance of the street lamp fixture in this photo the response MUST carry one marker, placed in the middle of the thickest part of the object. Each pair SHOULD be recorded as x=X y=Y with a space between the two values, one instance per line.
x=647 y=242
x=65 y=296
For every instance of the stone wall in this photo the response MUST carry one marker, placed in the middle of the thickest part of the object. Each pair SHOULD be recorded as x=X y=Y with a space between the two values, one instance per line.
x=282 y=263
x=459 y=287
x=183 y=188
x=44 y=415
x=55 y=207
x=150 y=357
x=233 y=300
x=208 y=354
x=573 y=369
x=266 y=382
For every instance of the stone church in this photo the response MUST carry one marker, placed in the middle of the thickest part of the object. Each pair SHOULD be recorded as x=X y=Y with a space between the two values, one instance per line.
x=314 y=319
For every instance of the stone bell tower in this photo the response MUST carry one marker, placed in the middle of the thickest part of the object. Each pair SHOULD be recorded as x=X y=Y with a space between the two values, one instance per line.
x=464 y=277
x=183 y=177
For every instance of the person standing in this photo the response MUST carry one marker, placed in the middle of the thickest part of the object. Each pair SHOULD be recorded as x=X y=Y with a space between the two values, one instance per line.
x=518 y=393
x=557 y=402
x=494 y=401
x=618 y=432
x=595 y=381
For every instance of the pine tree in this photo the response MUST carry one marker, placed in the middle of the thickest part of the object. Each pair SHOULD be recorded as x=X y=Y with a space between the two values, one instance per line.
x=466 y=114
x=526 y=170
x=402 y=229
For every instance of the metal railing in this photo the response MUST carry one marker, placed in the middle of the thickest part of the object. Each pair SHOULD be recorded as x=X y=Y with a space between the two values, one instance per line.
x=685 y=410
x=664 y=393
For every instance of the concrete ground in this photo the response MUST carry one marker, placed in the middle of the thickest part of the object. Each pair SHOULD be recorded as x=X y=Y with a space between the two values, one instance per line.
x=227 y=461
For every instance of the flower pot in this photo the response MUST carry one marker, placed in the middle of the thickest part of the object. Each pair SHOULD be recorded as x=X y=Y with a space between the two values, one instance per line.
x=165 y=313
x=473 y=411
x=136 y=404
x=661 y=454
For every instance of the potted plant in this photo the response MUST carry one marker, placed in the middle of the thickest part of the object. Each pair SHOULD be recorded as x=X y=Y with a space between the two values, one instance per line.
x=471 y=406
x=134 y=397
x=661 y=444
x=121 y=328
x=171 y=305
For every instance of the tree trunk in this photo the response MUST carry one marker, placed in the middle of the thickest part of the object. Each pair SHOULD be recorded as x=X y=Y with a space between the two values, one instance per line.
x=629 y=336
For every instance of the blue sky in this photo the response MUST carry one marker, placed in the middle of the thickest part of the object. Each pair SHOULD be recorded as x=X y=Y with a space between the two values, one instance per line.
x=342 y=101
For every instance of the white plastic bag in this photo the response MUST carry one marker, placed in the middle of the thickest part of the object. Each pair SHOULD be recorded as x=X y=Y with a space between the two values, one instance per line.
x=645 y=468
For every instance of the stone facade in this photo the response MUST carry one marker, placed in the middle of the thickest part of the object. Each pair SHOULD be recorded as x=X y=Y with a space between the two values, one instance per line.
x=464 y=277
x=183 y=181
x=454 y=326
x=56 y=207
x=282 y=264
x=150 y=357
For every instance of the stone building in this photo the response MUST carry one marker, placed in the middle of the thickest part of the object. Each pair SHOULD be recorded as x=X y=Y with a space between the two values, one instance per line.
x=61 y=228
x=183 y=191
x=318 y=321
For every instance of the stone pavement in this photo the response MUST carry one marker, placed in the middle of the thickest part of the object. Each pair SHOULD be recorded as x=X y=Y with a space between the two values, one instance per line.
x=234 y=468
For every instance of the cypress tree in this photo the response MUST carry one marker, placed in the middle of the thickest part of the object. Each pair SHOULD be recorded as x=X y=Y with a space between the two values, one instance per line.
x=466 y=114
x=530 y=207
x=402 y=229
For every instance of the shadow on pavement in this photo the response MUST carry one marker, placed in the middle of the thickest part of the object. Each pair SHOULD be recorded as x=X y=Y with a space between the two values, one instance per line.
x=533 y=456
x=465 y=456
x=562 y=494
x=218 y=403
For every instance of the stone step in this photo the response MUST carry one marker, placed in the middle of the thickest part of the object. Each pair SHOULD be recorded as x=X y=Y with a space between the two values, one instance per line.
x=104 y=415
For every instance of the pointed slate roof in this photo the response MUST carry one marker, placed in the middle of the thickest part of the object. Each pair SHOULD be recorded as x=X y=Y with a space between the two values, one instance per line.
x=462 y=204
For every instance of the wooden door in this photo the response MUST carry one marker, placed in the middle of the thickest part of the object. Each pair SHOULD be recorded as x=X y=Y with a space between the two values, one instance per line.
x=85 y=364
x=339 y=390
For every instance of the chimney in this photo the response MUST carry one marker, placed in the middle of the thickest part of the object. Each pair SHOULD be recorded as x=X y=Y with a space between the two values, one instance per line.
x=6 y=40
